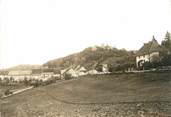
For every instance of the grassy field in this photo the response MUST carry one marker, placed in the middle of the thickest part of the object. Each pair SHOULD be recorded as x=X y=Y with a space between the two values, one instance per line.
x=95 y=96
x=114 y=89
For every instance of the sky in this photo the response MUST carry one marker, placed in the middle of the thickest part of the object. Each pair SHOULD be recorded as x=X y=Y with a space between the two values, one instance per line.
x=36 y=31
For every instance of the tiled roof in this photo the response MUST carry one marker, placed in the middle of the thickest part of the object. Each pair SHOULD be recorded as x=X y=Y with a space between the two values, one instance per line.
x=150 y=47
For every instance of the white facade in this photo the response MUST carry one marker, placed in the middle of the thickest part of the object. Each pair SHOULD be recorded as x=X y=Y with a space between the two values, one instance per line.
x=105 y=68
x=143 y=58
x=140 y=60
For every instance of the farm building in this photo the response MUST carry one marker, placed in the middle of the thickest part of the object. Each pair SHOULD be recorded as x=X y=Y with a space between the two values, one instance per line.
x=19 y=74
x=74 y=71
x=149 y=52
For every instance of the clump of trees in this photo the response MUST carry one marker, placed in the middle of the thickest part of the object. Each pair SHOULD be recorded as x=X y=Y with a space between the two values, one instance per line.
x=39 y=82
x=166 y=60
x=6 y=81
x=124 y=64
x=121 y=67
x=27 y=82
x=167 y=41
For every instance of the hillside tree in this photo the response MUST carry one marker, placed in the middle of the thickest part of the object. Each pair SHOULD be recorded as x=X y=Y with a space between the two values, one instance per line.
x=167 y=41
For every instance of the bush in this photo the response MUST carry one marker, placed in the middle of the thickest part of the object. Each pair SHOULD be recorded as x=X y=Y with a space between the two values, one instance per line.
x=147 y=65
x=67 y=77
x=121 y=67
x=7 y=92
x=26 y=82
x=36 y=83
x=166 y=60
x=158 y=63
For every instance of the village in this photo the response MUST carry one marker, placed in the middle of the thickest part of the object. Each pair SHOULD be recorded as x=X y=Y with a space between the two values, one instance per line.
x=39 y=74
x=151 y=52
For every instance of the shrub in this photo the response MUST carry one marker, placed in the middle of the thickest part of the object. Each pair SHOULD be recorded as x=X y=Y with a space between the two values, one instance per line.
x=7 y=92
x=67 y=77
x=166 y=60
x=147 y=65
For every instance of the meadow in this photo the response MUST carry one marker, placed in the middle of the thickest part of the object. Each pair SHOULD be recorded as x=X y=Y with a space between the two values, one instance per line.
x=130 y=95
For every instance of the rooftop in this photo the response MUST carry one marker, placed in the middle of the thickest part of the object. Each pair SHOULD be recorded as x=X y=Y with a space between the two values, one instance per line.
x=150 y=47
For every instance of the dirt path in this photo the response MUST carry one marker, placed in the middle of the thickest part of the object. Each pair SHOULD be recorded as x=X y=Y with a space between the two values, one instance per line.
x=17 y=92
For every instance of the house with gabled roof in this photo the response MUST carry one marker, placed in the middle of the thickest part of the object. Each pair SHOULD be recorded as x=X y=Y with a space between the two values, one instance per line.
x=148 y=52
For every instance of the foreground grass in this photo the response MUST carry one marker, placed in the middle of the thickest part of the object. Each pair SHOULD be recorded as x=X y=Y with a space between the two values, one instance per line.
x=114 y=89
x=102 y=95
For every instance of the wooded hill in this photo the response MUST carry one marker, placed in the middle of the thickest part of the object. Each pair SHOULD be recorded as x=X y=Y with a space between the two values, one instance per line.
x=93 y=56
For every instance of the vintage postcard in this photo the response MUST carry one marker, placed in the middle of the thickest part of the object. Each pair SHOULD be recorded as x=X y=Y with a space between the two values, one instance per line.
x=85 y=58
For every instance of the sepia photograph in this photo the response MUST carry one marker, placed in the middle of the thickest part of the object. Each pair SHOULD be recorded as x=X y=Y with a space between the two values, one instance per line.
x=85 y=58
